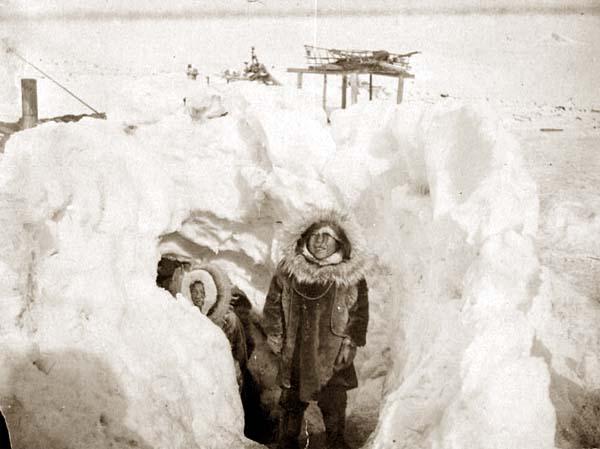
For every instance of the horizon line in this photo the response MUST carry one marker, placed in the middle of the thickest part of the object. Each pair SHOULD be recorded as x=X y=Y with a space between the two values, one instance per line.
x=220 y=13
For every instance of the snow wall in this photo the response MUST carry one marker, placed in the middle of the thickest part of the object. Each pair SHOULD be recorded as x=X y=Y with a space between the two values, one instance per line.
x=463 y=343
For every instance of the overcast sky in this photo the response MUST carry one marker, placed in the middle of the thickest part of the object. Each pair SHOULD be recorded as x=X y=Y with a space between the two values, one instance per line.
x=57 y=7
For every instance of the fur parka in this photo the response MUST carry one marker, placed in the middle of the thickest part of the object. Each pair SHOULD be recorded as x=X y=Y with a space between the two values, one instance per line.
x=312 y=305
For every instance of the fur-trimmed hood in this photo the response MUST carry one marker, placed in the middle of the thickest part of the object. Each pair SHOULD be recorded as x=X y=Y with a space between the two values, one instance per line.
x=356 y=263
x=217 y=287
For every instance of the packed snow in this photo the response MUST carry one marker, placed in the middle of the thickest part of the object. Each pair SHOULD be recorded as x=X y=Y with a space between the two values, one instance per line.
x=481 y=334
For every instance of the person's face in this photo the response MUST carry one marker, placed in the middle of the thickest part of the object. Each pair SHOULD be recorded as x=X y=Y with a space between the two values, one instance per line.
x=198 y=294
x=322 y=245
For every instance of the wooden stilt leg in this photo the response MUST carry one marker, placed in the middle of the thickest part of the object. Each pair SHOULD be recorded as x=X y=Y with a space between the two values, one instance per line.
x=354 y=88
x=400 y=90
x=325 y=92
x=344 y=87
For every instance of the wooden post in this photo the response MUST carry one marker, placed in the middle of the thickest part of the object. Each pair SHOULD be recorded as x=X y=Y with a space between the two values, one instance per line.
x=344 y=86
x=400 y=89
x=29 y=104
x=370 y=86
x=354 y=88
x=324 y=91
x=299 y=80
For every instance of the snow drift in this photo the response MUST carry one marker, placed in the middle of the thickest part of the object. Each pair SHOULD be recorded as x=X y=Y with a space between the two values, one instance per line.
x=97 y=355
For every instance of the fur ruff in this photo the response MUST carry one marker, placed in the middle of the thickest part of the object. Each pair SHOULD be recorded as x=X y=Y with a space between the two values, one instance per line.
x=210 y=289
x=346 y=273
x=217 y=287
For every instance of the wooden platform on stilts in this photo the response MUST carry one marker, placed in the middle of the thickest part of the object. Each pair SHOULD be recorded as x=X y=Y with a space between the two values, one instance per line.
x=353 y=76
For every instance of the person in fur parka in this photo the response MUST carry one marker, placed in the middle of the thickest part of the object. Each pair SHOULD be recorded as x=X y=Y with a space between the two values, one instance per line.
x=208 y=287
x=315 y=315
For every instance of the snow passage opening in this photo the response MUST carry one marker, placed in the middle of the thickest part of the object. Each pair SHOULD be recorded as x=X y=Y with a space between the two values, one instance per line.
x=255 y=365
x=257 y=375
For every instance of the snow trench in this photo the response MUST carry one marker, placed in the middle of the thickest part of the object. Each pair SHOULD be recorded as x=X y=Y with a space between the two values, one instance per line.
x=461 y=349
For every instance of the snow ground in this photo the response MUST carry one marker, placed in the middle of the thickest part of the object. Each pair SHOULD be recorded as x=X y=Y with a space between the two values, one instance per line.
x=482 y=320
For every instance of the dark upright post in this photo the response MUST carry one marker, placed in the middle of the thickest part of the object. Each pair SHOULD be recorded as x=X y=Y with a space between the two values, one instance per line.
x=29 y=103
x=344 y=86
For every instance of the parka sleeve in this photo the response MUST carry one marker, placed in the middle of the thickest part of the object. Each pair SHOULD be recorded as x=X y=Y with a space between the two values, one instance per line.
x=272 y=320
x=358 y=319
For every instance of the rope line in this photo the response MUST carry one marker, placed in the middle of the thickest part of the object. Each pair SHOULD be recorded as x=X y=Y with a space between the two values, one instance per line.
x=11 y=50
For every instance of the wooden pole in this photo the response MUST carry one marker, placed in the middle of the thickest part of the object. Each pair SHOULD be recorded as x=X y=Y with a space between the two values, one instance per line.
x=299 y=80
x=400 y=89
x=325 y=91
x=29 y=104
x=344 y=86
x=370 y=86
x=354 y=88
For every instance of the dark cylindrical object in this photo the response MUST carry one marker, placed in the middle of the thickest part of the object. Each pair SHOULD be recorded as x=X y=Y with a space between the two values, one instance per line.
x=29 y=103
x=344 y=87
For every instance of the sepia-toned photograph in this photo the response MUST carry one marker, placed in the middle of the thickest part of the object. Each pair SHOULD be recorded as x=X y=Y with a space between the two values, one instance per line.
x=300 y=224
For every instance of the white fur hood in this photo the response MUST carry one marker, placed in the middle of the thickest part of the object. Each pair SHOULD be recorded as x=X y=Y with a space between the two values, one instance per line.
x=347 y=272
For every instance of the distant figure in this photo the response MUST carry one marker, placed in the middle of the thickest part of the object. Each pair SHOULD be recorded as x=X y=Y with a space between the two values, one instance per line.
x=192 y=72
x=315 y=315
